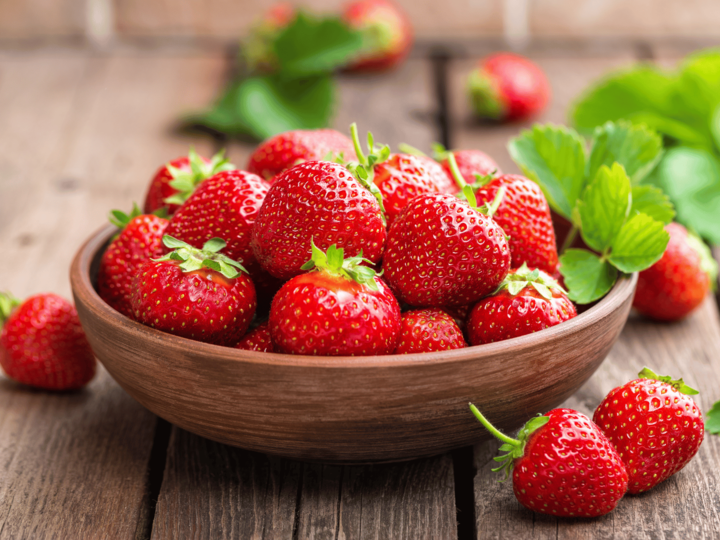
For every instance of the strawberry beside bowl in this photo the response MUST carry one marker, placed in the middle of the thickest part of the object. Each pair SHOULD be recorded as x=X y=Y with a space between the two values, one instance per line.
x=344 y=410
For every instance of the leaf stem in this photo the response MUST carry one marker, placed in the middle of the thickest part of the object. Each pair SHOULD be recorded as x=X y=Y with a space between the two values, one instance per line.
x=492 y=429
x=457 y=176
x=356 y=143
x=569 y=239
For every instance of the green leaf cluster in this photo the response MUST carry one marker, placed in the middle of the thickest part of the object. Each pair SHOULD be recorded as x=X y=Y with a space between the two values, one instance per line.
x=684 y=107
x=192 y=258
x=334 y=262
x=298 y=94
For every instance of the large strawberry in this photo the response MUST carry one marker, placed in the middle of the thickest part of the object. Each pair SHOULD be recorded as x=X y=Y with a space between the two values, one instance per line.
x=195 y=293
x=562 y=465
x=316 y=200
x=470 y=164
x=42 y=343
x=678 y=283
x=140 y=238
x=655 y=426
x=445 y=251
x=526 y=301
x=387 y=33
x=257 y=339
x=175 y=181
x=506 y=87
x=341 y=308
x=288 y=149
x=428 y=330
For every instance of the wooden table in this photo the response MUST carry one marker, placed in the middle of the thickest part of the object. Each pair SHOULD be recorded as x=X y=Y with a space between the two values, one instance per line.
x=81 y=133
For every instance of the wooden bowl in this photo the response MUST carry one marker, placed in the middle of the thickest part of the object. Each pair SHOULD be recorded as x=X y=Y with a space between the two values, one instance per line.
x=344 y=410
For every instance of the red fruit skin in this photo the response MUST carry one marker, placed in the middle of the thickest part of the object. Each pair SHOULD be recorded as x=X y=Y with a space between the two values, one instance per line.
x=441 y=252
x=524 y=215
x=388 y=20
x=285 y=150
x=442 y=180
x=42 y=344
x=140 y=240
x=316 y=200
x=569 y=469
x=428 y=330
x=503 y=316
x=470 y=163
x=202 y=305
x=257 y=339
x=223 y=206
x=160 y=188
x=400 y=179
x=655 y=429
x=321 y=314
x=675 y=285
x=459 y=314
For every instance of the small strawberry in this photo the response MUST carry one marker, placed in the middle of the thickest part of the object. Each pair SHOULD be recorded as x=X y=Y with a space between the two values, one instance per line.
x=140 y=238
x=442 y=251
x=320 y=200
x=655 y=426
x=257 y=48
x=507 y=87
x=283 y=151
x=470 y=163
x=678 y=283
x=175 y=181
x=341 y=308
x=428 y=330
x=387 y=33
x=257 y=339
x=562 y=465
x=42 y=343
x=193 y=293
x=526 y=302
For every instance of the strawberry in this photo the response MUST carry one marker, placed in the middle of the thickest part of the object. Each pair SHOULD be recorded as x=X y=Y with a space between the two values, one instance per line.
x=655 y=426
x=507 y=87
x=257 y=48
x=320 y=200
x=442 y=251
x=257 y=339
x=175 y=181
x=470 y=164
x=442 y=180
x=283 y=151
x=526 y=301
x=387 y=33
x=341 y=308
x=679 y=282
x=459 y=314
x=428 y=330
x=193 y=293
x=140 y=238
x=562 y=465
x=42 y=343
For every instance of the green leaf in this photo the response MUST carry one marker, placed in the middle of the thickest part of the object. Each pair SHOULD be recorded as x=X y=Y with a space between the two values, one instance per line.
x=652 y=201
x=586 y=276
x=224 y=115
x=637 y=148
x=214 y=245
x=174 y=243
x=604 y=207
x=715 y=126
x=712 y=419
x=708 y=264
x=554 y=157
x=640 y=244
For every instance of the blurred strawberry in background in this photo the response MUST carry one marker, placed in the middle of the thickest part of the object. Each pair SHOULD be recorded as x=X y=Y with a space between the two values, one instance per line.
x=257 y=48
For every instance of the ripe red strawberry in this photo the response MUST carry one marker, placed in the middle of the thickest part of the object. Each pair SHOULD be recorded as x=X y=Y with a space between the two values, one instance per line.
x=506 y=87
x=140 y=239
x=459 y=314
x=562 y=465
x=320 y=200
x=526 y=302
x=442 y=251
x=386 y=30
x=655 y=426
x=679 y=282
x=283 y=151
x=175 y=181
x=442 y=180
x=470 y=163
x=193 y=293
x=257 y=339
x=42 y=343
x=342 y=308
x=428 y=330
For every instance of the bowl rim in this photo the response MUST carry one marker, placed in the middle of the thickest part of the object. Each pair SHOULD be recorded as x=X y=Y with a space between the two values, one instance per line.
x=82 y=287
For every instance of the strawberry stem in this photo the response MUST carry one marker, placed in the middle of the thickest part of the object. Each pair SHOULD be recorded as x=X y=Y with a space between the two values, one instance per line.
x=492 y=429
x=457 y=176
x=356 y=143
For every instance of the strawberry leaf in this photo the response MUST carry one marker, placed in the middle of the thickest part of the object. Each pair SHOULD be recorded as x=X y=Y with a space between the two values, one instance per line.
x=7 y=304
x=652 y=201
x=587 y=277
x=712 y=419
x=639 y=244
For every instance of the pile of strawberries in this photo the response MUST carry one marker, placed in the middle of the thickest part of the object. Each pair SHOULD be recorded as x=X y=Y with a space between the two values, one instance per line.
x=326 y=249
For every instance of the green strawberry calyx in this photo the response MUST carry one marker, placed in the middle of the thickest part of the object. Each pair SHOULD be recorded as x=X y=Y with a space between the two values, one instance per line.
x=121 y=220
x=192 y=258
x=7 y=304
x=485 y=98
x=515 y=448
x=523 y=277
x=334 y=262
x=480 y=180
x=489 y=208
x=677 y=384
x=185 y=181
x=363 y=169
